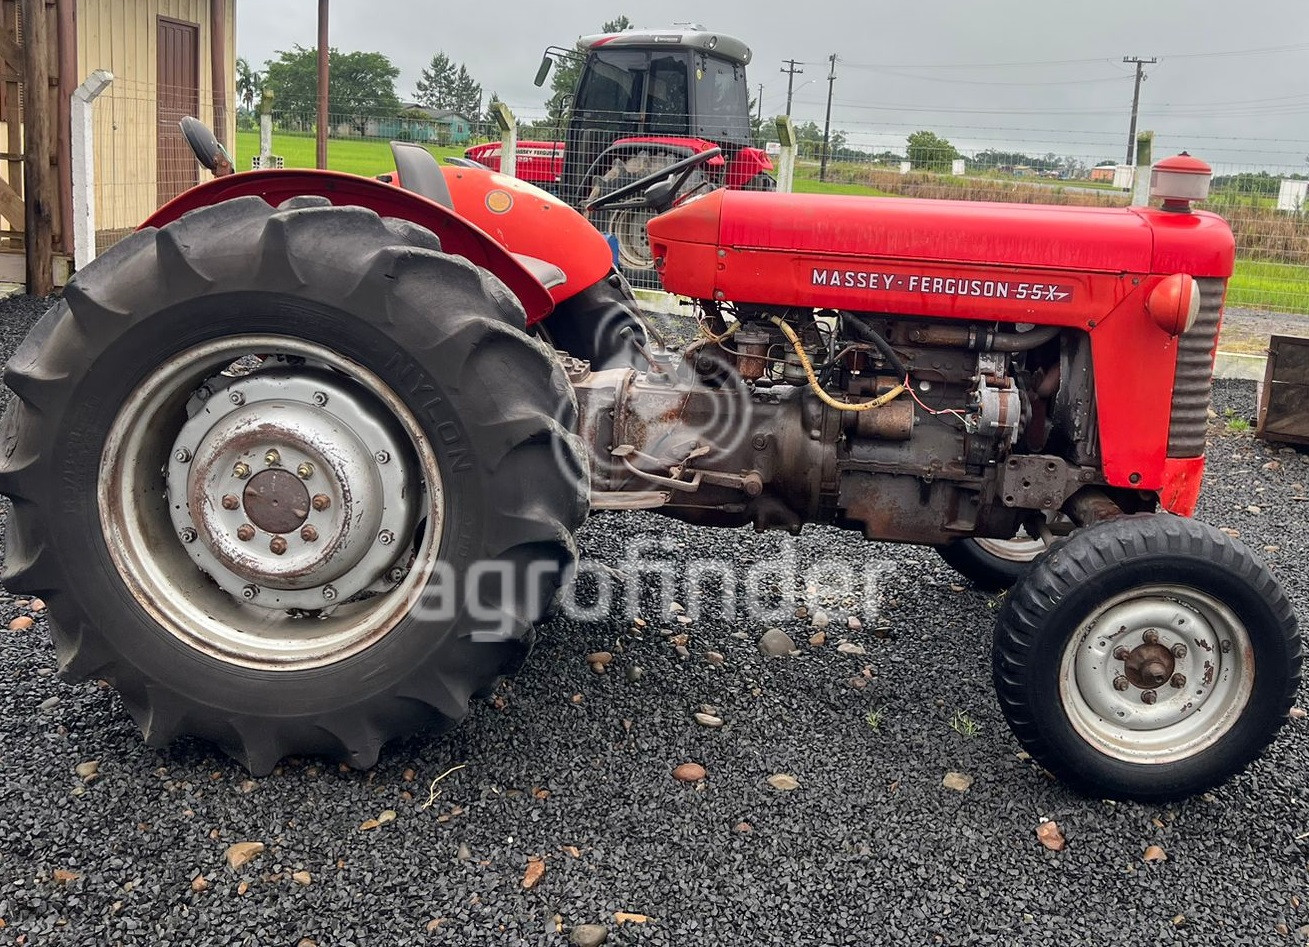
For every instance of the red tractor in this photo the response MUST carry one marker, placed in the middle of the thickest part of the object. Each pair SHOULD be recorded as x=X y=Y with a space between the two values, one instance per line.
x=298 y=465
x=645 y=99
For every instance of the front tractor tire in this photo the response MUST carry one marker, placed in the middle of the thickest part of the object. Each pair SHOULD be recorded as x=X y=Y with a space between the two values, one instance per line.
x=257 y=458
x=1149 y=658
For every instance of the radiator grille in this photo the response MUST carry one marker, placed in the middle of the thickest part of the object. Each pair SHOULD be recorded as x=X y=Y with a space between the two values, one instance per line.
x=1195 y=368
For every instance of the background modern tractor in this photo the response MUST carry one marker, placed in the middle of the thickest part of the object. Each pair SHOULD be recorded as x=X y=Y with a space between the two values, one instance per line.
x=297 y=465
x=645 y=99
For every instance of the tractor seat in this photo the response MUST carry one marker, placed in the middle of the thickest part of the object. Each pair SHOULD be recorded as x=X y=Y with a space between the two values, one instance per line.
x=420 y=173
x=547 y=274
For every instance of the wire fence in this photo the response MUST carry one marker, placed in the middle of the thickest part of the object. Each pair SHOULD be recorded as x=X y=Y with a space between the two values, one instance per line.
x=141 y=162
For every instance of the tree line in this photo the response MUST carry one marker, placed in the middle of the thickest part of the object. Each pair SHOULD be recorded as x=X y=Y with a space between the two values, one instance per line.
x=359 y=84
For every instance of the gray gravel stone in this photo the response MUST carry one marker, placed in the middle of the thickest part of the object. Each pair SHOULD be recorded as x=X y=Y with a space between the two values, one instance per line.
x=775 y=643
x=588 y=935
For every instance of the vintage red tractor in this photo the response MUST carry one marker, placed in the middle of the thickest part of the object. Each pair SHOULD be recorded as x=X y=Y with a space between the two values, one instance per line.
x=298 y=464
x=645 y=99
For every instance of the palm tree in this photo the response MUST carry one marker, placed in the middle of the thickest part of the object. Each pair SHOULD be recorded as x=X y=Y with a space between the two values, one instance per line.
x=248 y=83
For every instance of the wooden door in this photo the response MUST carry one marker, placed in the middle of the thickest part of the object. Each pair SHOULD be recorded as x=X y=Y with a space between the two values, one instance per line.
x=177 y=95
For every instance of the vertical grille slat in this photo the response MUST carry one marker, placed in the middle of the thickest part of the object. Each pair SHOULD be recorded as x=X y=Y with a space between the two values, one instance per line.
x=1194 y=378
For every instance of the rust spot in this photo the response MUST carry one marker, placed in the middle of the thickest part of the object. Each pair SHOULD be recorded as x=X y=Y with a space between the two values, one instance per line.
x=277 y=501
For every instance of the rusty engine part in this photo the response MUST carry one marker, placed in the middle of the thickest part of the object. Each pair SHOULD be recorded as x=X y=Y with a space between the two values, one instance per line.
x=903 y=441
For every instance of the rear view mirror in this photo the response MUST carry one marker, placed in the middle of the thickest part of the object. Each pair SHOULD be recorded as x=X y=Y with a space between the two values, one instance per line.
x=204 y=143
x=543 y=71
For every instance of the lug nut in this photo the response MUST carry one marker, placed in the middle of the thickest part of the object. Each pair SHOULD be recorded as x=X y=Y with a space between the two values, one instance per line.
x=382 y=457
x=245 y=533
x=1151 y=636
x=203 y=393
x=187 y=535
x=1178 y=680
x=1226 y=647
x=321 y=501
x=241 y=471
x=309 y=534
x=277 y=545
x=236 y=398
x=329 y=593
x=249 y=592
x=272 y=458
x=395 y=575
x=1121 y=683
x=386 y=537
x=320 y=398
x=1179 y=650
x=1148 y=697
x=231 y=502
x=1121 y=653
x=183 y=456
x=304 y=471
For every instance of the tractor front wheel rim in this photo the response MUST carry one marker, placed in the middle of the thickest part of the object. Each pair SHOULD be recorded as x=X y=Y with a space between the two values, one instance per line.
x=1157 y=675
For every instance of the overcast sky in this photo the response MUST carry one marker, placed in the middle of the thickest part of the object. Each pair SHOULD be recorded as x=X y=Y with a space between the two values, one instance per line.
x=1232 y=84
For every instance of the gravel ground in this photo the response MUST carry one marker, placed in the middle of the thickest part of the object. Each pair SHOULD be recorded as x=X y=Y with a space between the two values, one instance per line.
x=573 y=769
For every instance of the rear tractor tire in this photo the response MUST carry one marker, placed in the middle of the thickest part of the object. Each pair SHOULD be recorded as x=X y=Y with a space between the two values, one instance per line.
x=992 y=564
x=1148 y=658
x=291 y=479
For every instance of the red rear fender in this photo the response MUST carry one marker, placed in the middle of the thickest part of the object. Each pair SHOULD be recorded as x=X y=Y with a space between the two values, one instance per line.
x=459 y=235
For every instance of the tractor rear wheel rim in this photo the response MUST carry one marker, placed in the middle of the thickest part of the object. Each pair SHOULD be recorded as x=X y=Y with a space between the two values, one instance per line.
x=280 y=519
x=1019 y=549
x=633 y=240
x=1157 y=674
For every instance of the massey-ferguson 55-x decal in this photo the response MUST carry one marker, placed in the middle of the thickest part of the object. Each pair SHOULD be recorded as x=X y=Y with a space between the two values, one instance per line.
x=883 y=281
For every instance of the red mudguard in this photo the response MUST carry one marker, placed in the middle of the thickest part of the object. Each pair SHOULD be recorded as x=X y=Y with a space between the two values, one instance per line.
x=497 y=218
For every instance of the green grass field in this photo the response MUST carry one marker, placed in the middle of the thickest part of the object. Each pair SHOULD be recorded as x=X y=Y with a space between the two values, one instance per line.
x=1260 y=285
x=354 y=155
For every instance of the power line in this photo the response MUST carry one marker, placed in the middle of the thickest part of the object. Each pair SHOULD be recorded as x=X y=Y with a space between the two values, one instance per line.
x=1254 y=51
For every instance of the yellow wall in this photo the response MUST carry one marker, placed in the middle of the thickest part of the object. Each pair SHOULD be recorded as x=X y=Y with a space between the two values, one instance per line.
x=122 y=36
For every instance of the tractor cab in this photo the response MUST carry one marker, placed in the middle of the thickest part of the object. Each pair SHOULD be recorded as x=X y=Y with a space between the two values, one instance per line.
x=686 y=84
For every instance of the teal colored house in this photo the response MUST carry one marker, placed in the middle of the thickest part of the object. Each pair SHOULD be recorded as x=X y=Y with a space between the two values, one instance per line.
x=427 y=126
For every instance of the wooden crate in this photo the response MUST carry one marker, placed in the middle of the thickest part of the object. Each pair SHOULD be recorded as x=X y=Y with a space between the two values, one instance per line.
x=1284 y=398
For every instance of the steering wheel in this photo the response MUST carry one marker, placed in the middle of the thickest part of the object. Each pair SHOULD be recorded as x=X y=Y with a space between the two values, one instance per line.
x=676 y=174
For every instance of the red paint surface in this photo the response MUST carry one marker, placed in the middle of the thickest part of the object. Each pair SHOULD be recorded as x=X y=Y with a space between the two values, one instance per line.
x=747 y=163
x=1181 y=489
x=1101 y=262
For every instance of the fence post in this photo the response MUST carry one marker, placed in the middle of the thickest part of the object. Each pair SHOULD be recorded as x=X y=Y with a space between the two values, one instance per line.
x=265 y=127
x=83 y=164
x=508 y=139
x=1141 y=180
x=786 y=160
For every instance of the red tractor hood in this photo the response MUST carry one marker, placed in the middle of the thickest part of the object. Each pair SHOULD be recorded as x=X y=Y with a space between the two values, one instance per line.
x=785 y=233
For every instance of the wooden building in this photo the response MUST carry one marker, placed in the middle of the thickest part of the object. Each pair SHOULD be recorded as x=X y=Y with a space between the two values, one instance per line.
x=169 y=58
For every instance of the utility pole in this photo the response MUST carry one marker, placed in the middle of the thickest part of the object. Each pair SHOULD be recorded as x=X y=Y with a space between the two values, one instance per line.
x=791 y=73
x=1136 y=100
x=324 y=73
x=827 y=122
